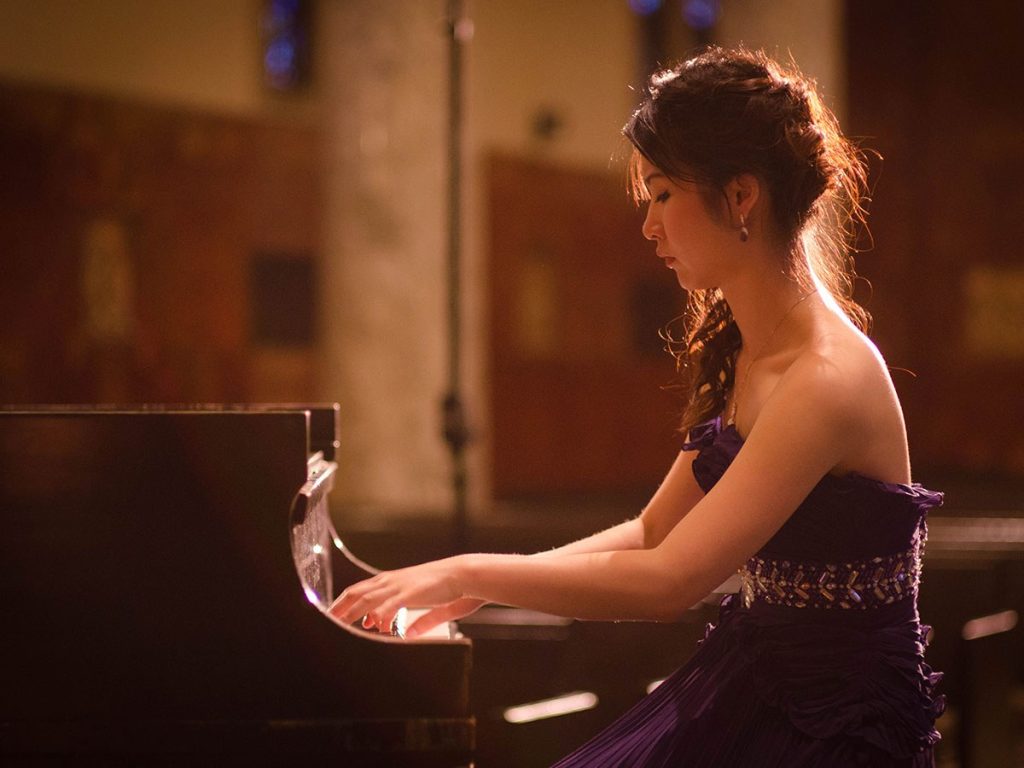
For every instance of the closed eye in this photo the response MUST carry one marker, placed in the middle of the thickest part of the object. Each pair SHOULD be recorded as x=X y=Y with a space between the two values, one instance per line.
x=662 y=197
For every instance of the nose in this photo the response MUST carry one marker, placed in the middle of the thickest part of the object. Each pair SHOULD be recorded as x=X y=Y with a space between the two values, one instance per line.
x=652 y=224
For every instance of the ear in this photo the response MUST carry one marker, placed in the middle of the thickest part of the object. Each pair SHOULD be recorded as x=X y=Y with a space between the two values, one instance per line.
x=742 y=194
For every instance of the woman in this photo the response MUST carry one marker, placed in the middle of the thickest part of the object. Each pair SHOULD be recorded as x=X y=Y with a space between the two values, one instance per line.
x=796 y=471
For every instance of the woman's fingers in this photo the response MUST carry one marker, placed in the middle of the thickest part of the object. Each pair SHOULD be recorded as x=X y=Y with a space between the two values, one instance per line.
x=386 y=614
x=376 y=601
x=348 y=607
x=428 y=621
x=359 y=601
x=450 y=612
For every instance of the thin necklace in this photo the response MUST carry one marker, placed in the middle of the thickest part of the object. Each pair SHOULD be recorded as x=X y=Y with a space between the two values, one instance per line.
x=761 y=351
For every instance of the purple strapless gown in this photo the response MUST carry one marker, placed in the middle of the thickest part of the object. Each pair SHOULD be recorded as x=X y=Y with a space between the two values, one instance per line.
x=817 y=661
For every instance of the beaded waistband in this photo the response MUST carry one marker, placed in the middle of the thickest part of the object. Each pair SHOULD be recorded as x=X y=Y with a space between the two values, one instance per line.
x=861 y=584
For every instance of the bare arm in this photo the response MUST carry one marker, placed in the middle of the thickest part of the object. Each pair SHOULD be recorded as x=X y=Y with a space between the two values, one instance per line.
x=802 y=432
x=675 y=497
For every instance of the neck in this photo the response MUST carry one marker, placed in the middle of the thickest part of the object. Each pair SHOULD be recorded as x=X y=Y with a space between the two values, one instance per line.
x=760 y=297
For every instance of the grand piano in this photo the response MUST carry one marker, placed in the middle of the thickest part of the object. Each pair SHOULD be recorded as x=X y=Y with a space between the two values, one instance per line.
x=165 y=573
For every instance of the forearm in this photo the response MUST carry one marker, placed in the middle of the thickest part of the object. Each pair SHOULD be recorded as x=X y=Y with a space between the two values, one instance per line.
x=632 y=585
x=626 y=535
x=624 y=585
x=675 y=497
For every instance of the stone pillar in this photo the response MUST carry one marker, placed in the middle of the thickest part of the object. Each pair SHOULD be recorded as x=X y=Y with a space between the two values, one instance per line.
x=383 y=75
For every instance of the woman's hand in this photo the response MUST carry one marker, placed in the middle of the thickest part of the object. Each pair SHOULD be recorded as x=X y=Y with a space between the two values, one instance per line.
x=453 y=611
x=377 y=600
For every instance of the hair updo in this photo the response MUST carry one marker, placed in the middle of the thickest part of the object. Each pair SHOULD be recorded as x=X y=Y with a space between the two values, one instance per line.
x=728 y=112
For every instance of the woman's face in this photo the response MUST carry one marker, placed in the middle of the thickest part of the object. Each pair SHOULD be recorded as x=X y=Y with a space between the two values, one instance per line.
x=689 y=239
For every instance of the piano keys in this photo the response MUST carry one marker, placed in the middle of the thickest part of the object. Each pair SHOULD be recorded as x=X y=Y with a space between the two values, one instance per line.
x=165 y=576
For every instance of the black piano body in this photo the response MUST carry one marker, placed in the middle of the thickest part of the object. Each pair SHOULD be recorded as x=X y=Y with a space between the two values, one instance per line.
x=164 y=572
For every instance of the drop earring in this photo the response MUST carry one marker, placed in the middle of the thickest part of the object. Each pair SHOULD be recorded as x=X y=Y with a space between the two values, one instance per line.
x=744 y=232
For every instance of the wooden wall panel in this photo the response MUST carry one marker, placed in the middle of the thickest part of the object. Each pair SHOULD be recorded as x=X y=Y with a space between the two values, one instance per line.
x=127 y=233
x=576 y=367
x=936 y=88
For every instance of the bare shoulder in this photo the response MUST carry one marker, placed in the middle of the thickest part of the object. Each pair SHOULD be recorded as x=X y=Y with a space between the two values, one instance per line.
x=843 y=379
x=843 y=366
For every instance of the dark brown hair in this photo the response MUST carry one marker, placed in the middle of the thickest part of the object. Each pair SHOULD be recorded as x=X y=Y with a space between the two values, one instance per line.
x=728 y=112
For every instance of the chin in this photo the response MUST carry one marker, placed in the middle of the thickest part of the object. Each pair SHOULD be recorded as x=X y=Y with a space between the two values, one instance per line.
x=691 y=282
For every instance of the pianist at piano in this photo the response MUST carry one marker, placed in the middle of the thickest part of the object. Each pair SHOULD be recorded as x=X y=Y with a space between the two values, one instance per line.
x=795 y=472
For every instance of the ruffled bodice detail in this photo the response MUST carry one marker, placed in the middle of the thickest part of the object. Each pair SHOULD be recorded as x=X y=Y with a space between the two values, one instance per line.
x=844 y=518
x=819 y=660
x=855 y=544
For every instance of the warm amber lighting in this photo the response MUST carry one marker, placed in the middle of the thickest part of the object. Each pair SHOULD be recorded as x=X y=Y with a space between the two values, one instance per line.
x=654 y=684
x=993 y=624
x=567 y=704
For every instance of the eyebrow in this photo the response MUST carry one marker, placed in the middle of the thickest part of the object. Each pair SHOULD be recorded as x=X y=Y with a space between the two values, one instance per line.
x=653 y=175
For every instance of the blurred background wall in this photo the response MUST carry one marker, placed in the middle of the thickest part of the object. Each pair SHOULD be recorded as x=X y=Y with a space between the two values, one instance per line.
x=179 y=225
x=245 y=201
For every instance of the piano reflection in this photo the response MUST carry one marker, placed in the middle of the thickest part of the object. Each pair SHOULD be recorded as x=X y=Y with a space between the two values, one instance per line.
x=165 y=575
